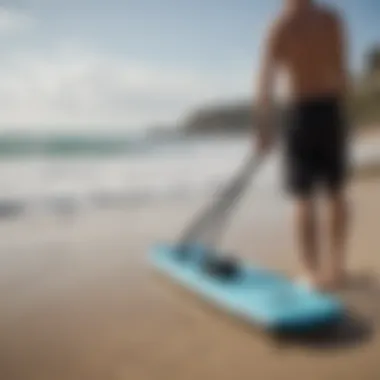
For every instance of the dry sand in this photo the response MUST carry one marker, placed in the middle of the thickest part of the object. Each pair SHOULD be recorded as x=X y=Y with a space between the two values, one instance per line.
x=80 y=302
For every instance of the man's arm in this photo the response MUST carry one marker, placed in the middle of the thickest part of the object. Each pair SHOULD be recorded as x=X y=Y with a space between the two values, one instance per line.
x=341 y=54
x=269 y=63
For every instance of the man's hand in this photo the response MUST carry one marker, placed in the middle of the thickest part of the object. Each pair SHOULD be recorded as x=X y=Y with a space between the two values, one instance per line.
x=264 y=136
x=264 y=140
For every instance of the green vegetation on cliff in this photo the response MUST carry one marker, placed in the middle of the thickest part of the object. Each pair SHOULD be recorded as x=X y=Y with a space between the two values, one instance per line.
x=365 y=102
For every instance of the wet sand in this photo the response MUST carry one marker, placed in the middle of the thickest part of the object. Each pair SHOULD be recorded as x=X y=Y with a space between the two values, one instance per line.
x=79 y=301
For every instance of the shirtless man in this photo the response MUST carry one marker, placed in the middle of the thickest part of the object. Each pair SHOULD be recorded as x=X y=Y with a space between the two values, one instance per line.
x=307 y=42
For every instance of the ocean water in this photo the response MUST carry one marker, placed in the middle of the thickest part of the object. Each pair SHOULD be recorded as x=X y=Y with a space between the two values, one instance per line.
x=70 y=175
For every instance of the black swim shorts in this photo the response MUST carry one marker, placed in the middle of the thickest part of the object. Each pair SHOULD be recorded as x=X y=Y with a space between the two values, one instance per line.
x=315 y=146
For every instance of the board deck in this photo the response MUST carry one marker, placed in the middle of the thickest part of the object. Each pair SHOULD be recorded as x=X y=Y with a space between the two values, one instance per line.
x=257 y=295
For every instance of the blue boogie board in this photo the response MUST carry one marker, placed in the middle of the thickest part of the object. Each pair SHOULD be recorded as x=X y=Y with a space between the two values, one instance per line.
x=256 y=295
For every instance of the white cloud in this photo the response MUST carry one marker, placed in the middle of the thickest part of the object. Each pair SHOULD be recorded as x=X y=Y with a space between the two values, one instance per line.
x=12 y=20
x=78 y=88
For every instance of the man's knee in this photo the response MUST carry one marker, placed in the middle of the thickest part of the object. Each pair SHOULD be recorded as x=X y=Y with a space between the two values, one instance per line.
x=305 y=209
x=339 y=203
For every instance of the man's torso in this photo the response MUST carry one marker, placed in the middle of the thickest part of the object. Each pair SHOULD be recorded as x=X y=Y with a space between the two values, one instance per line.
x=307 y=51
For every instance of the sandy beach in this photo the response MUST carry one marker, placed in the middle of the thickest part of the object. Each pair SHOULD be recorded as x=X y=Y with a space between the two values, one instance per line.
x=119 y=122
x=79 y=300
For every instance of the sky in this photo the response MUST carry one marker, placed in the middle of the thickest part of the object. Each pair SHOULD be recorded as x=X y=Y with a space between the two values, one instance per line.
x=129 y=65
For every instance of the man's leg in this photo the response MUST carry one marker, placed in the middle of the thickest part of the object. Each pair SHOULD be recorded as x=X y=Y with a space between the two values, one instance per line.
x=338 y=223
x=337 y=179
x=301 y=173
x=306 y=227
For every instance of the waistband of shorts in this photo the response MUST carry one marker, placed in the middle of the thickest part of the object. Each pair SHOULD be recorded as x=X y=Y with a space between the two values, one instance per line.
x=318 y=101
